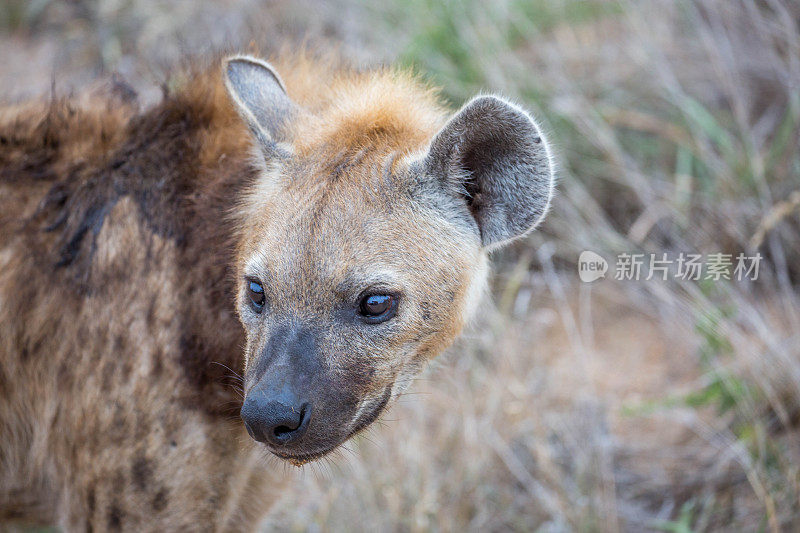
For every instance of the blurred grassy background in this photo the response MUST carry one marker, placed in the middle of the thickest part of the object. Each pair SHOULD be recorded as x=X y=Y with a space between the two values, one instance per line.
x=620 y=405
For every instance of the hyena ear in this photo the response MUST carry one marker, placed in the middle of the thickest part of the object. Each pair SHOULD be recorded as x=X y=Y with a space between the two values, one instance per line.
x=493 y=154
x=260 y=97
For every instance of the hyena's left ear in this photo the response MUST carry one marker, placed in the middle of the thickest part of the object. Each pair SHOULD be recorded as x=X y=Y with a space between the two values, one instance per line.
x=493 y=154
x=259 y=96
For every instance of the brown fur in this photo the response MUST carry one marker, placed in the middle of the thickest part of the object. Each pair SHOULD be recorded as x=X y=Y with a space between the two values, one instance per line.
x=124 y=237
x=115 y=299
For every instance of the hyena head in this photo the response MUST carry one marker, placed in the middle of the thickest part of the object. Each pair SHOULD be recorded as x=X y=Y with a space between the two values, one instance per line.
x=364 y=250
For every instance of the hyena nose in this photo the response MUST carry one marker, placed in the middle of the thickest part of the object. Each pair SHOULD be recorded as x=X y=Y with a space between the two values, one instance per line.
x=277 y=421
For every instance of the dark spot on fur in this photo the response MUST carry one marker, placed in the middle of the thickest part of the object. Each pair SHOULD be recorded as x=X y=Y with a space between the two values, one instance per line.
x=119 y=343
x=115 y=517
x=160 y=500
x=118 y=431
x=125 y=371
x=142 y=426
x=92 y=221
x=83 y=334
x=158 y=364
x=52 y=205
x=90 y=500
x=65 y=377
x=107 y=375
x=141 y=472
x=151 y=312
x=209 y=381
x=27 y=351
x=192 y=359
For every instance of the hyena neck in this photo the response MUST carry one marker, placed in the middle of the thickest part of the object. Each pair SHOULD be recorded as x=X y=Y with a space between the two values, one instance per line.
x=181 y=166
x=220 y=154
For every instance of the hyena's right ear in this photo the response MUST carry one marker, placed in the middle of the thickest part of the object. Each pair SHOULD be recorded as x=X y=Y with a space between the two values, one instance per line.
x=260 y=97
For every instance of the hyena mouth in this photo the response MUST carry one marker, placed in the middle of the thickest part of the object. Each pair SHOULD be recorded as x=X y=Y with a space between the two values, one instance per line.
x=362 y=422
x=370 y=416
x=300 y=460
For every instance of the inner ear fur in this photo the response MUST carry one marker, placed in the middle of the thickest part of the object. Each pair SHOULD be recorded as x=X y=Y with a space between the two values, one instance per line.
x=260 y=97
x=495 y=157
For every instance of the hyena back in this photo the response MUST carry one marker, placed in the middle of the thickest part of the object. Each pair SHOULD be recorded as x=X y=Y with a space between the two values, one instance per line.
x=323 y=231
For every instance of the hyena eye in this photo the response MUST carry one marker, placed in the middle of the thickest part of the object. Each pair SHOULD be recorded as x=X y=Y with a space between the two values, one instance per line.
x=256 y=294
x=378 y=307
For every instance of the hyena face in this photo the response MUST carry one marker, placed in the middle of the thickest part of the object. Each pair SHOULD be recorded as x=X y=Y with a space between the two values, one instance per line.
x=359 y=260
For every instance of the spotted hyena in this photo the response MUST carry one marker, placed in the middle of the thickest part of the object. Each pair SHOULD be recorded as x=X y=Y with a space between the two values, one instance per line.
x=322 y=231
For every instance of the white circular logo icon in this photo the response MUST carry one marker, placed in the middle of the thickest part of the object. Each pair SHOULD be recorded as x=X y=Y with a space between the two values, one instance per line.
x=591 y=266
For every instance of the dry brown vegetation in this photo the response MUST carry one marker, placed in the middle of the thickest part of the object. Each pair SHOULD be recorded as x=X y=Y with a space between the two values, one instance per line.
x=613 y=406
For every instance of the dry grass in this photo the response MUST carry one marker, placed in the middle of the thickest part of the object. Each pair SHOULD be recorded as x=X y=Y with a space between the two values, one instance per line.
x=612 y=406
